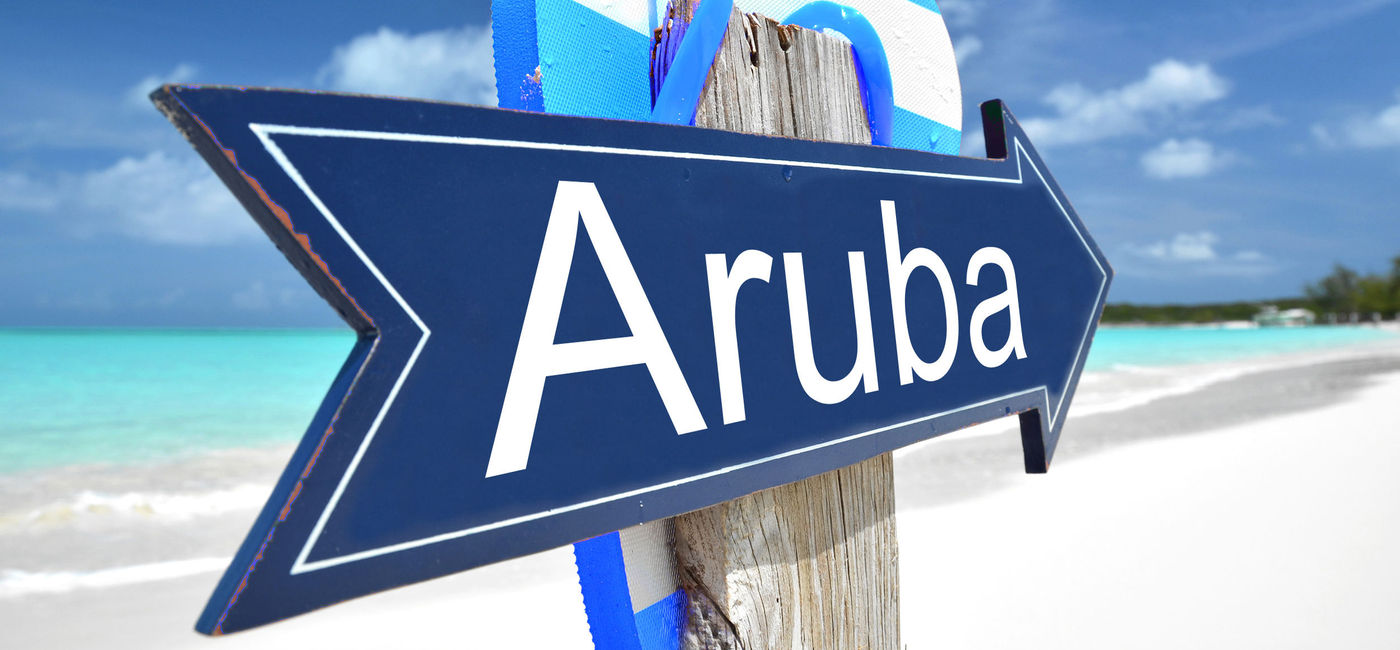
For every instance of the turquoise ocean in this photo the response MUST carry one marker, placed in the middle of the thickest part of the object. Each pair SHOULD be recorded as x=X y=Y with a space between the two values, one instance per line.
x=131 y=397
x=140 y=456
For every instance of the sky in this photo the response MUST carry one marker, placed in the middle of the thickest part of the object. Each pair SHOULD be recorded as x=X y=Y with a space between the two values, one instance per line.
x=1216 y=151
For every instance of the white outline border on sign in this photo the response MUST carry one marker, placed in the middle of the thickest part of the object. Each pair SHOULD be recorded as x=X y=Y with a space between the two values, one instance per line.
x=265 y=132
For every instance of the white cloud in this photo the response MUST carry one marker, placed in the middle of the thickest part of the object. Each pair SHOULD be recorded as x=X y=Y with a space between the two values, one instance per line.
x=1184 y=247
x=154 y=198
x=1188 y=158
x=1270 y=29
x=450 y=64
x=1194 y=253
x=967 y=47
x=138 y=95
x=1169 y=88
x=1370 y=130
x=960 y=12
x=161 y=199
x=974 y=143
x=19 y=191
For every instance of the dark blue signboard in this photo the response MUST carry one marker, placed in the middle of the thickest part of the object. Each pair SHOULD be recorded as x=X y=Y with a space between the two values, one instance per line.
x=571 y=325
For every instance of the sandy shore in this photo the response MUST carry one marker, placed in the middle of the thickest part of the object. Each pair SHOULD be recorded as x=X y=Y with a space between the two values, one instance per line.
x=974 y=462
x=1254 y=511
x=1274 y=532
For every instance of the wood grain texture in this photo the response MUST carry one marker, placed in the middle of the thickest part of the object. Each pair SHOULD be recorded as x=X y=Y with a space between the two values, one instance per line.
x=812 y=564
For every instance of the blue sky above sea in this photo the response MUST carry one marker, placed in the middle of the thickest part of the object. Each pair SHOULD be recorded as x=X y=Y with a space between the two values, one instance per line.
x=1217 y=151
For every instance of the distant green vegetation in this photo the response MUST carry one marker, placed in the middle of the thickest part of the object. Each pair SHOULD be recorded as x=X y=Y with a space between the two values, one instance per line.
x=1126 y=312
x=1342 y=292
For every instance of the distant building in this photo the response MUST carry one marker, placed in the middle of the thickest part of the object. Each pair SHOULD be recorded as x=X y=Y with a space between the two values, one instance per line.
x=1270 y=316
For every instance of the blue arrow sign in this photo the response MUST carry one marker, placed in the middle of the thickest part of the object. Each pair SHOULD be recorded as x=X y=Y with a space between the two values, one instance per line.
x=570 y=325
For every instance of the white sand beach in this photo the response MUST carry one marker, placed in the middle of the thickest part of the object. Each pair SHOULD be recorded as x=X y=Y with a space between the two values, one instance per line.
x=1279 y=533
x=1257 y=510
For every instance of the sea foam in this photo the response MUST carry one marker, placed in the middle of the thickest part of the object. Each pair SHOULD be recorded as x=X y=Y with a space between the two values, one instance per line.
x=153 y=506
x=15 y=583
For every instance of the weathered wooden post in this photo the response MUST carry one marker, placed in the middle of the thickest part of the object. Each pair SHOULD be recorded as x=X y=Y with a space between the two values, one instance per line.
x=811 y=564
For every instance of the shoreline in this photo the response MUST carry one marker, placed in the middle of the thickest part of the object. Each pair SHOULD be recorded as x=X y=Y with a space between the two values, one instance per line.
x=973 y=462
x=254 y=456
x=79 y=592
x=199 y=507
x=1390 y=325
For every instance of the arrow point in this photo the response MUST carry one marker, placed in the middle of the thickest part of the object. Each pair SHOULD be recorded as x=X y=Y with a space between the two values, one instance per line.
x=1040 y=431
